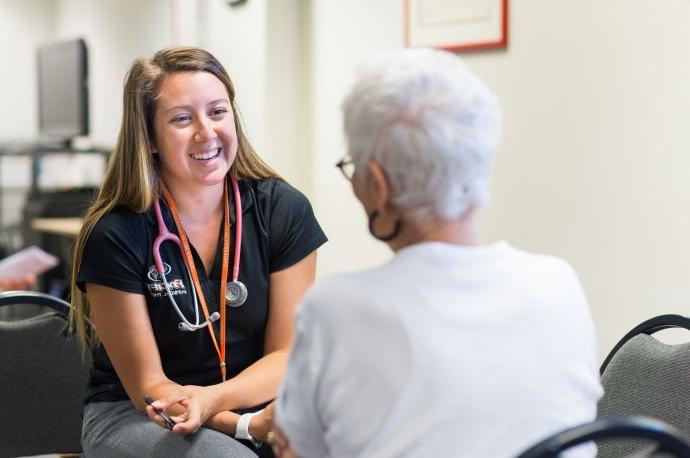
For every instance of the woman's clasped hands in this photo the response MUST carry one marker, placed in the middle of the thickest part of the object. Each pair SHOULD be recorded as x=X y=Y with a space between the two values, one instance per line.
x=196 y=405
x=191 y=406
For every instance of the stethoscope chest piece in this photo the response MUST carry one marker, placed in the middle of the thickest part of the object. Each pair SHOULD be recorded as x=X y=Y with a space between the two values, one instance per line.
x=235 y=294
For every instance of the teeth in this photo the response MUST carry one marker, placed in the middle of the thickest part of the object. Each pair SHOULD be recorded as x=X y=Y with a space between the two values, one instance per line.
x=206 y=155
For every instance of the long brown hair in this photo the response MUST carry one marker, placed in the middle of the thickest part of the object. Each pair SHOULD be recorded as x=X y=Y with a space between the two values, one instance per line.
x=131 y=178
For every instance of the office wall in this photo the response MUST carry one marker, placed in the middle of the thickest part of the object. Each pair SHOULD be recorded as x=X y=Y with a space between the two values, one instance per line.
x=594 y=164
x=116 y=32
x=23 y=27
x=287 y=105
x=342 y=34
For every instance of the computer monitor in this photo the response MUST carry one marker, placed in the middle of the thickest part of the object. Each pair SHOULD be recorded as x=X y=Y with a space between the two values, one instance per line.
x=63 y=95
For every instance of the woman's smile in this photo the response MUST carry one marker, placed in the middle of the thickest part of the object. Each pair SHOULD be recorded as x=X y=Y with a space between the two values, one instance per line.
x=207 y=155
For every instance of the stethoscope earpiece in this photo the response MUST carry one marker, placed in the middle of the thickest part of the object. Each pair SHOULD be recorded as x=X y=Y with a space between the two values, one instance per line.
x=235 y=294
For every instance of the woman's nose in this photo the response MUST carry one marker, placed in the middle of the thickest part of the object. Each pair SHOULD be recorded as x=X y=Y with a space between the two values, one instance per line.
x=204 y=131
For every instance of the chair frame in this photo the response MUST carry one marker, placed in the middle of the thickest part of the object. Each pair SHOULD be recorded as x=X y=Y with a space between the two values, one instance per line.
x=637 y=427
x=648 y=327
x=34 y=298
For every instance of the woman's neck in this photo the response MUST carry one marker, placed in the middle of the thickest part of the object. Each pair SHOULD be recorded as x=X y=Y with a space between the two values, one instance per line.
x=202 y=204
x=459 y=231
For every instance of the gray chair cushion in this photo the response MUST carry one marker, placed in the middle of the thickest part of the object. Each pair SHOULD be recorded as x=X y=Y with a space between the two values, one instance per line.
x=42 y=384
x=647 y=377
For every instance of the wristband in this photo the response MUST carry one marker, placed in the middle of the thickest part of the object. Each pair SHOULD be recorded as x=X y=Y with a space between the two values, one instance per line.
x=242 y=428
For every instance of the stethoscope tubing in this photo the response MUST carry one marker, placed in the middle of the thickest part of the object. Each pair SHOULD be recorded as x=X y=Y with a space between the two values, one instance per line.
x=164 y=235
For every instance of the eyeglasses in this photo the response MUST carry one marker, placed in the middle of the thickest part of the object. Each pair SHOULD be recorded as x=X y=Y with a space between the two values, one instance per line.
x=347 y=167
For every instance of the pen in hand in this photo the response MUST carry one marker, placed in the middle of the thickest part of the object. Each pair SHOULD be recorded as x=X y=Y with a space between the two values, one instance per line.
x=169 y=422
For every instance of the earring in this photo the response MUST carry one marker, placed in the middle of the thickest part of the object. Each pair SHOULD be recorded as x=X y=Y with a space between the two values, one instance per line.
x=384 y=238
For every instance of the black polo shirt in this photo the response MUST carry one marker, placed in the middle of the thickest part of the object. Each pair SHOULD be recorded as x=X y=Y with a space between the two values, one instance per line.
x=278 y=230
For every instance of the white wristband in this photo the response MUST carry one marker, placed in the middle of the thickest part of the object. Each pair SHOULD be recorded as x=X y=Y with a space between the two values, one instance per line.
x=242 y=428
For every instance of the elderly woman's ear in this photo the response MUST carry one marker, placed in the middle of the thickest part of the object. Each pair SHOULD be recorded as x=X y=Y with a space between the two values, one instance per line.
x=379 y=186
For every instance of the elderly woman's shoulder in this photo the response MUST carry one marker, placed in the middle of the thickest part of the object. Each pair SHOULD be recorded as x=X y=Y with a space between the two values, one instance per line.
x=346 y=292
x=339 y=308
x=544 y=264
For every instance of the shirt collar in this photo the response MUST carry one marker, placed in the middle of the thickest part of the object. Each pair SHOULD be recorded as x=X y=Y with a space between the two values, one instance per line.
x=246 y=195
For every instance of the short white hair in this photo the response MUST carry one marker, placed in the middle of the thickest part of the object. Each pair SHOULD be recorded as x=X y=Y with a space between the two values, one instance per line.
x=431 y=124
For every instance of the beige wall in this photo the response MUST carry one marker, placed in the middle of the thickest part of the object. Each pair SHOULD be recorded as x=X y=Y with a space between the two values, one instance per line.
x=342 y=34
x=23 y=27
x=594 y=163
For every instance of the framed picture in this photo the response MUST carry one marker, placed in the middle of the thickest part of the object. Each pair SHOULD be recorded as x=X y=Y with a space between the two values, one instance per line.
x=456 y=25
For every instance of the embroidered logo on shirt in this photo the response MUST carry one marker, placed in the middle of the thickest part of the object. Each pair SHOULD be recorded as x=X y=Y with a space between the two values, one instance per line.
x=153 y=272
x=157 y=287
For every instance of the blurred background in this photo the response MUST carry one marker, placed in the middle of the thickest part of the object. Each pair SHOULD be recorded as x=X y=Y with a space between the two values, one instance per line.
x=593 y=165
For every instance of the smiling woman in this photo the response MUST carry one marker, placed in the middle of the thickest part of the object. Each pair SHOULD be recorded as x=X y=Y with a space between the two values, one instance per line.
x=159 y=299
x=195 y=128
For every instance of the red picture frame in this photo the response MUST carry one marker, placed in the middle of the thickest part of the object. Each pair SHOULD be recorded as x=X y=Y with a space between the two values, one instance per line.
x=483 y=25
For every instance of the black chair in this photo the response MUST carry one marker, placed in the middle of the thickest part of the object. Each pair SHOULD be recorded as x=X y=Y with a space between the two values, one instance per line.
x=671 y=444
x=643 y=376
x=43 y=378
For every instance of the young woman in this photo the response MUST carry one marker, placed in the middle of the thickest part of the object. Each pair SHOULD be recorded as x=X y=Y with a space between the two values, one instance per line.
x=168 y=314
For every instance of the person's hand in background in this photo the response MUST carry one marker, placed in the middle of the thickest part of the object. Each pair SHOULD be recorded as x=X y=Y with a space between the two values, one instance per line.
x=280 y=444
x=24 y=283
x=263 y=429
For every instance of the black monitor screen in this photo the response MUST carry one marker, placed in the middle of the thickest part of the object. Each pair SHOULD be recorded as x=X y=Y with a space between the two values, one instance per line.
x=63 y=89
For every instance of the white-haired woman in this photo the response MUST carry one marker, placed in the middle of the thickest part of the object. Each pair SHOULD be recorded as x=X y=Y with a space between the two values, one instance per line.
x=452 y=348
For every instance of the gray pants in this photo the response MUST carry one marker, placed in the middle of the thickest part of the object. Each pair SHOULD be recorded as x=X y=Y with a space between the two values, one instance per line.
x=117 y=429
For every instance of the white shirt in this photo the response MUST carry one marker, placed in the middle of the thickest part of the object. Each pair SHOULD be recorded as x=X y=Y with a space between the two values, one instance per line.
x=444 y=351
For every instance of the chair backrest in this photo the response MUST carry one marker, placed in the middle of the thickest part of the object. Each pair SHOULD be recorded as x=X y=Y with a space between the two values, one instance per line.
x=644 y=376
x=43 y=379
x=649 y=327
x=669 y=441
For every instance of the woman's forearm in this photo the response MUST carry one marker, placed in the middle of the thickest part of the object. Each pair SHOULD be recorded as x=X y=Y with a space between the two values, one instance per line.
x=259 y=425
x=256 y=384
x=224 y=422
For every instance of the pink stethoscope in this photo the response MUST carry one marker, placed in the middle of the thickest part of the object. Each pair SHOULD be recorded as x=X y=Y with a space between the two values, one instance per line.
x=236 y=291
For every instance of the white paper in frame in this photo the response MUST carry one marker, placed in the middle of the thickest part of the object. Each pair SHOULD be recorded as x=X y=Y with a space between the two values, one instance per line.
x=456 y=24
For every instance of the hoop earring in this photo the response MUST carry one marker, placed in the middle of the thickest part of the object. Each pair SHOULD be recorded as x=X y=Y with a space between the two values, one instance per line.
x=384 y=238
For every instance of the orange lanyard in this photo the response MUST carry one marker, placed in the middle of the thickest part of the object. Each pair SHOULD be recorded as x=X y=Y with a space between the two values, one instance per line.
x=189 y=260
